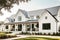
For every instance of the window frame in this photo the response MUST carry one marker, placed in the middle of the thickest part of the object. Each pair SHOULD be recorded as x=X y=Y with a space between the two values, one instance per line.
x=46 y=26
x=7 y=27
x=19 y=18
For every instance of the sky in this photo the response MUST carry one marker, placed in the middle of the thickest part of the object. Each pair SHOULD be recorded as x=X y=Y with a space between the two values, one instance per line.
x=30 y=6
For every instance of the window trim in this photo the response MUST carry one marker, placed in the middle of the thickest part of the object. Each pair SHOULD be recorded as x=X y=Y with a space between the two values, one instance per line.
x=19 y=18
x=45 y=28
x=7 y=27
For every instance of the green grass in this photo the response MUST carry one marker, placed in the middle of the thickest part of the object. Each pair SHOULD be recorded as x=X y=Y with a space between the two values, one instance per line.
x=37 y=38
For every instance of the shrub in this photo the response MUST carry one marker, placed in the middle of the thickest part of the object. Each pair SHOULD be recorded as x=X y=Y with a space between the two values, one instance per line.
x=57 y=34
x=40 y=33
x=44 y=33
x=49 y=34
x=54 y=33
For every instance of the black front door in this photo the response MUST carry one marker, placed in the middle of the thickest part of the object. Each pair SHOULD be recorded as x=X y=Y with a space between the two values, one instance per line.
x=20 y=27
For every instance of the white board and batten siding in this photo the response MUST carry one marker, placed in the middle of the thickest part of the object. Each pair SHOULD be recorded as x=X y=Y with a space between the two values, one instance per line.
x=50 y=20
x=22 y=15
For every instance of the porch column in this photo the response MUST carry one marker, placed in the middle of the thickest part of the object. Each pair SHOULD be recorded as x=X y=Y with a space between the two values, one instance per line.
x=16 y=27
x=36 y=28
x=9 y=27
x=24 y=27
x=31 y=28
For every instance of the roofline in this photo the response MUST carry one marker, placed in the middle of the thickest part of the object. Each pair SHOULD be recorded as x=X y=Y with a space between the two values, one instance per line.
x=51 y=15
x=12 y=23
x=45 y=8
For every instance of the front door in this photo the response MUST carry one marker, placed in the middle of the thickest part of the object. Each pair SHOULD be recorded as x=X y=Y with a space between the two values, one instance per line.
x=20 y=27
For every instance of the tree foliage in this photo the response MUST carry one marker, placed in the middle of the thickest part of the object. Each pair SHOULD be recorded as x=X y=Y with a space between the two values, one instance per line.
x=7 y=4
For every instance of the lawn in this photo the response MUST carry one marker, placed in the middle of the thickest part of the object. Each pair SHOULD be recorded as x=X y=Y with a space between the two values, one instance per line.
x=37 y=38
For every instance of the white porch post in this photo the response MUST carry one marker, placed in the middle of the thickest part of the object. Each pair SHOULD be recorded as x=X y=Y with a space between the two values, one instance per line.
x=31 y=28
x=3 y=28
x=36 y=29
x=24 y=27
x=16 y=27
x=9 y=27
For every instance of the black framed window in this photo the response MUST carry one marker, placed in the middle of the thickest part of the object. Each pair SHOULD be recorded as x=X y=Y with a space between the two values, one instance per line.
x=13 y=28
x=33 y=29
x=28 y=27
x=46 y=26
x=19 y=18
x=6 y=27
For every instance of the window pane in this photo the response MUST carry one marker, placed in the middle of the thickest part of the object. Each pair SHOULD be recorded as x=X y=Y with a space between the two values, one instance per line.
x=19 y=18
x=28 y=27
x=6 y=27
x=32 y=17
x=20 y=27
x=37 y=17
x=46 y=26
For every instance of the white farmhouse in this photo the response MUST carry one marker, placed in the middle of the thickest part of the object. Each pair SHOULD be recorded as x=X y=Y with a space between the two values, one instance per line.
x=37 y=21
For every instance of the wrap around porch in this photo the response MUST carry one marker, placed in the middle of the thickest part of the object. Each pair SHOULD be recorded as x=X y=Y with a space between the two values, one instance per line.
x=30 y=27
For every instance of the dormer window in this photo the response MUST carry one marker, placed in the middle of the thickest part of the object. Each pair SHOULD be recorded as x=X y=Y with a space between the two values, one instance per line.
x=32 y=17
x=19 y=18
x=37 y=17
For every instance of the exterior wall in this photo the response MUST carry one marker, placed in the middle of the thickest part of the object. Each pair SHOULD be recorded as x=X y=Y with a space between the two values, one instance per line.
x=22 y=15
x=58 y=15
x=2 y=28
x=49 y=19
x=58 y=18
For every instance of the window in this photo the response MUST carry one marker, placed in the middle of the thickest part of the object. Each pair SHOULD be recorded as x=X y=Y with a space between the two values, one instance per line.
x=28 y=27
x=33 y=29
x=37 y=17
x=13 y=28
x=20 y=27
x=32 y=17
x=46 y=17
x=46 y=26
x=19 y=18
x=6 y=27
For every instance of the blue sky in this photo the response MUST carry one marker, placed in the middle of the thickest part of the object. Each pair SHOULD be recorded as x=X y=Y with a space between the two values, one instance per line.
x=31 y=5
x=40 y=4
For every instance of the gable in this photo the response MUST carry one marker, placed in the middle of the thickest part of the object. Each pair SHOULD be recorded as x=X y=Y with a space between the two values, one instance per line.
x=49 y=16
x=20 y=15
x=23 y=12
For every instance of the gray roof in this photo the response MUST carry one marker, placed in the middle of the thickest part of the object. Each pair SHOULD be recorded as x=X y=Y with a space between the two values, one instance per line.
x=11 y=19
x=52 y=10
x=36 y=12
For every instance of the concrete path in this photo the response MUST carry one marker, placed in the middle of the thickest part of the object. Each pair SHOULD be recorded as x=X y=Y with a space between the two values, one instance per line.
x=24 y=36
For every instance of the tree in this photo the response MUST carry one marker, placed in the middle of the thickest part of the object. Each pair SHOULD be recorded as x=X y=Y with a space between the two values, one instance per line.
x=7 y=4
